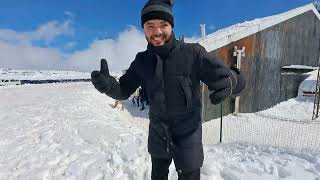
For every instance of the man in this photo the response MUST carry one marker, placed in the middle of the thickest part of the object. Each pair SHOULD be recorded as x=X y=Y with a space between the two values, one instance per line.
x=171 y=71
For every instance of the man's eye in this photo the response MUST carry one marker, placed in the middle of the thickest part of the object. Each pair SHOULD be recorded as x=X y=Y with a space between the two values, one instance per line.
x=165 y=25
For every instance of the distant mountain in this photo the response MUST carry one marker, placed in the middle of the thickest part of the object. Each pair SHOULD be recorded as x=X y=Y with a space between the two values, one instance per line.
x=11 y=74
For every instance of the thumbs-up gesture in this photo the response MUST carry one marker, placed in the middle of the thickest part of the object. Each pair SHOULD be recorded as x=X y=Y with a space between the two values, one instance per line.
x=102 y=80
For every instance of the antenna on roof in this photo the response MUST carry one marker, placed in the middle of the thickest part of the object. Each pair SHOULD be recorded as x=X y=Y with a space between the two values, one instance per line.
x=203 y=30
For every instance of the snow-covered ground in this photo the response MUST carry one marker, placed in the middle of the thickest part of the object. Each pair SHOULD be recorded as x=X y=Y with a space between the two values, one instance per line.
x=69 y=131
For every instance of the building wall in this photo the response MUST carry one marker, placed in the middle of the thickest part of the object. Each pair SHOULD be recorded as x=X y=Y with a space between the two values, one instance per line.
x=295 y=41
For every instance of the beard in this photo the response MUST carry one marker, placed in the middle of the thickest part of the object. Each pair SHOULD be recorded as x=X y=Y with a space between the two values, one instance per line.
x=154 y=38
x=162 y=36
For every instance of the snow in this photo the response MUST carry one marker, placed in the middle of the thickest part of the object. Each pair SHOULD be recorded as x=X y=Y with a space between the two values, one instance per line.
x=69 y=131
x=238 y=31
x=242 y=162
x=309 y=84
x=300 y=67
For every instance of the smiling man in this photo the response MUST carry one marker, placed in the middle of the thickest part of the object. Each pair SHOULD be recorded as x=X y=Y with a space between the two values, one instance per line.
x=171 y=72
x=157 y=31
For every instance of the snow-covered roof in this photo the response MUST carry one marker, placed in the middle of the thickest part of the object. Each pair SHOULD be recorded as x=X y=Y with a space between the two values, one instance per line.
x=238 y=31
x=300 y=67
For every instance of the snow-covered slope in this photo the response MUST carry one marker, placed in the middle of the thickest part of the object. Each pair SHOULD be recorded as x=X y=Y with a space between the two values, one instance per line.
x=70 y=132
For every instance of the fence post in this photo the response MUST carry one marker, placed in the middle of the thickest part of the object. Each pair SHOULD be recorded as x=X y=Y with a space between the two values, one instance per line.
x=316 y=98
x=221 y=122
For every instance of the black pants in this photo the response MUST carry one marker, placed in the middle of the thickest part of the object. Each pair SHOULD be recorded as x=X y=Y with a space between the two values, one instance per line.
x=160 y=171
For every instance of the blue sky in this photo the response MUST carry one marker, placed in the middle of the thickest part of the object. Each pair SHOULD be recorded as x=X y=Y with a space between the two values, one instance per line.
x=70 y=26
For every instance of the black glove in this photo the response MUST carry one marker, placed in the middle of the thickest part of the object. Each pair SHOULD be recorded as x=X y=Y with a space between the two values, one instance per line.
x=230 y=85
x=102 y=80
x=241 y=82
x=220 y=90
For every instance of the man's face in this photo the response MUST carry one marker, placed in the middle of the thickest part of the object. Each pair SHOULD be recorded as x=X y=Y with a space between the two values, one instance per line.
x=157 y=31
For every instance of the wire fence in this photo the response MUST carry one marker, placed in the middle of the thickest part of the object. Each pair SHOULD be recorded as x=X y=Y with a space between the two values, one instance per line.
x=268 y=116
x=265 y=129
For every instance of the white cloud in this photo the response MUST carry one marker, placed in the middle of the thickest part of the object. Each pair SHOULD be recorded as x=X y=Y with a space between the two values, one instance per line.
x=69 y=14
x=119 y=52
x=28 y=57
x=18 y=52
x=70 y=45
x=13 y=37
x=49 y=31
x=46 y=32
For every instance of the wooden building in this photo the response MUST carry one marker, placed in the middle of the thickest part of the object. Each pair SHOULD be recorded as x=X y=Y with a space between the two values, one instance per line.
x=271 y=43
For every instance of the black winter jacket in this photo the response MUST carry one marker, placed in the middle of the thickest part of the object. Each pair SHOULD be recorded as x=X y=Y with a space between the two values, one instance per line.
x=171 y=75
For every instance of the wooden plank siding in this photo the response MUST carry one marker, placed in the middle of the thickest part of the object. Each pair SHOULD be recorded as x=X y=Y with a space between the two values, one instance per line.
x=292 y=42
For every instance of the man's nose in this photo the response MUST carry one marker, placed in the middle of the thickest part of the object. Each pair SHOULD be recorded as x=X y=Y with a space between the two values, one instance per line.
x=158 y=31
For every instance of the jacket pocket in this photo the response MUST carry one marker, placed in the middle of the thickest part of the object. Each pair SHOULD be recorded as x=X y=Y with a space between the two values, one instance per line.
x=186 y=87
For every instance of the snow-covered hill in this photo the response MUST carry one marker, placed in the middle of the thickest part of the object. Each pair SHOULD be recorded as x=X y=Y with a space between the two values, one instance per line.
x=10 y=74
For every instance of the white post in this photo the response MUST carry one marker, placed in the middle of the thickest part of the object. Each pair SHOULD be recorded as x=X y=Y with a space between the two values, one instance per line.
x=239 y=53
x=203 y=98
x=203 y=30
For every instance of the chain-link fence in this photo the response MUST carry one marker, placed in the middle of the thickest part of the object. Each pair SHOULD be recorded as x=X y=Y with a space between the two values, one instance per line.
x=265 y=129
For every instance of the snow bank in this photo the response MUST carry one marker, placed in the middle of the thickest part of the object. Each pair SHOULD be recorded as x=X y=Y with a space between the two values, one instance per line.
x=308 y=87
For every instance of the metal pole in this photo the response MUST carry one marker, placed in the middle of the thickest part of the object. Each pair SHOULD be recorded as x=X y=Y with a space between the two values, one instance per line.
x=203 y=89
x=316 y=98
x=221 y=123
x=315 y=113
x=203 y=101
x=203 y=30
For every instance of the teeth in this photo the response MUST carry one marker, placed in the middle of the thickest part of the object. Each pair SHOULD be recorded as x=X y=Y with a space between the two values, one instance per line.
x=157 y=38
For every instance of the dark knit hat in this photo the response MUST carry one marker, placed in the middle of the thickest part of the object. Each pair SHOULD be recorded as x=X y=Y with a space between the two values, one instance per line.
x=157 y=9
